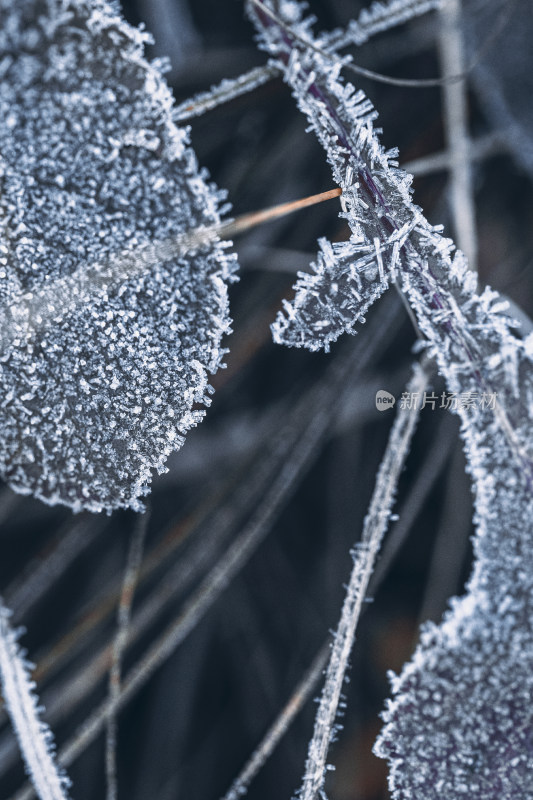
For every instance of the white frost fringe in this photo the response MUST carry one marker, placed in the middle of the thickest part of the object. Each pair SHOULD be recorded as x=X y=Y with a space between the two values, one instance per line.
x=34 y=736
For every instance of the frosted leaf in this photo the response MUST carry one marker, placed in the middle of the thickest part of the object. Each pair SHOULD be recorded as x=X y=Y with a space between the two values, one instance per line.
x=100 y=369
x=461 y=720
x=333 y=299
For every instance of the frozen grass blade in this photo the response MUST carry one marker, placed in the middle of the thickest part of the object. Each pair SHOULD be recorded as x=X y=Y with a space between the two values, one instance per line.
x=364 y=556
x=34 y=736
x=224 y=92
x=379 y=17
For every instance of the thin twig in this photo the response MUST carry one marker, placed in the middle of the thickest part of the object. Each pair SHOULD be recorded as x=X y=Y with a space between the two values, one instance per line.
x=226 y=90
x=33 y=310
x=247 y=221
x=131 y=576
x=455 y=120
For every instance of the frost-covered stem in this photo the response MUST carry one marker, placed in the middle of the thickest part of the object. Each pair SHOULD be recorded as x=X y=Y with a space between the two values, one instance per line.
x=354 y=157
x=131 y=576
x=379 y=17
x=364 y=555
x=223 y=92
x=455 y=117
x=34 y=736
x=378 y=204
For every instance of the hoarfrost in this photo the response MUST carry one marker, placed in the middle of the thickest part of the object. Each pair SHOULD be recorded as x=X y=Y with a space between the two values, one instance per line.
x=378 y=17
x=35 y=738
x=333 y=299
x=461 y=719
x=99 y=367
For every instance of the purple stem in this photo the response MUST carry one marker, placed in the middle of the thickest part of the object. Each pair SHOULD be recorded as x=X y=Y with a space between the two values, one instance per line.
x=377 y=199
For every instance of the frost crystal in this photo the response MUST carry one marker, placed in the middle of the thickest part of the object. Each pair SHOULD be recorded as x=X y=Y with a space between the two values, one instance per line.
x=100 y=366
x=461 y=720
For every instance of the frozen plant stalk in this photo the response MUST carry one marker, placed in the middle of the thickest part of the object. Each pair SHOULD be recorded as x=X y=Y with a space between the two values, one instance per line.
x=364 y=557
x=35 y=738
x=461 y=720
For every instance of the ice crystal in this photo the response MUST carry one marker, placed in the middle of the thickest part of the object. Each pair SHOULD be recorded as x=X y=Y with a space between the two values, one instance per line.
x=101 y=366
x=461 y=719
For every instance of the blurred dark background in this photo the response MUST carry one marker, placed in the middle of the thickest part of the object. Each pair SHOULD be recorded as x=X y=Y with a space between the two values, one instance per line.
x=290 y=446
